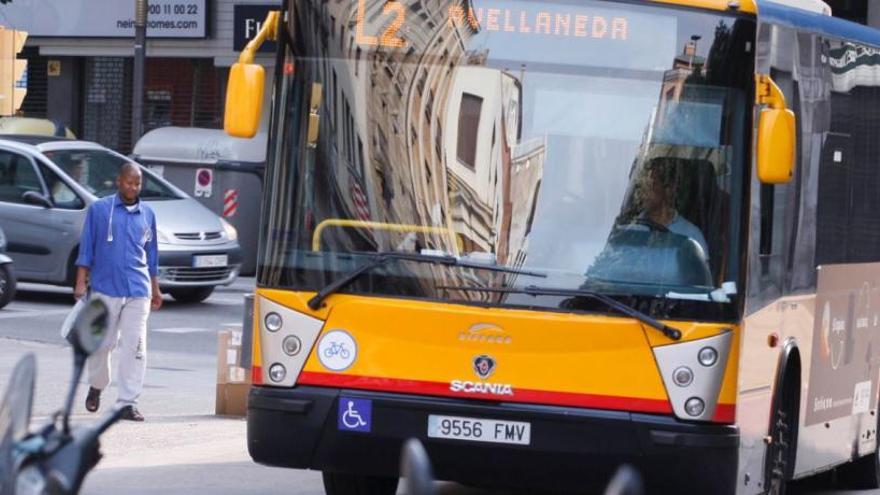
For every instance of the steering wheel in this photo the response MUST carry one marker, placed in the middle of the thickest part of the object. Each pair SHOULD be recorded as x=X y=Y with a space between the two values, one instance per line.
x=647 y=222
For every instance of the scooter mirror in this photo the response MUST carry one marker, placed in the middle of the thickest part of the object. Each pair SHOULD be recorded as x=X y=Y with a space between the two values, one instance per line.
x=415 y=468
x=89 y=327
x=15 y=416
x=626 y=481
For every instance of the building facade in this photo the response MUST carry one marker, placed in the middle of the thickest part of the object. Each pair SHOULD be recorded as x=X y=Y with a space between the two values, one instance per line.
x=80 y=71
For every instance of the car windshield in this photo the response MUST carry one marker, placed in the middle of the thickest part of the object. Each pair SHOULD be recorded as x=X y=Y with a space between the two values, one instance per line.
x=601 y=143
x=96 y=170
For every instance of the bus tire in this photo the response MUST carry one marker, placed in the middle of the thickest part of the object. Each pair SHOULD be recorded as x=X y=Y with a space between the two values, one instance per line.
x=354 y=484
x=862 y=473
x=780 y=457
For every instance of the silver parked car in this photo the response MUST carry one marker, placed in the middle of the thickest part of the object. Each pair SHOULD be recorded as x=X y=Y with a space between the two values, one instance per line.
x=7 y=274
x=46 y=184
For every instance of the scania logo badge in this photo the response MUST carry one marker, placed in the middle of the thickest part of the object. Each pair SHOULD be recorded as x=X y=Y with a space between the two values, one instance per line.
x=484 y=366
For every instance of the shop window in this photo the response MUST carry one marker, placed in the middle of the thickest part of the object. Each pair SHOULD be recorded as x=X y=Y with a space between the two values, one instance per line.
x=157 y=109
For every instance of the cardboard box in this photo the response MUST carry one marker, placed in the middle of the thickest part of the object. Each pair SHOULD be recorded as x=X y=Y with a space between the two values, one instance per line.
x=233 y=381
x=229 y=358
x=232 y=399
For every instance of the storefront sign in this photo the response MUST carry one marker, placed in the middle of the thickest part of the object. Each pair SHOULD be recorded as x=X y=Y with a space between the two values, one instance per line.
x=248 y=21
x=107 y=18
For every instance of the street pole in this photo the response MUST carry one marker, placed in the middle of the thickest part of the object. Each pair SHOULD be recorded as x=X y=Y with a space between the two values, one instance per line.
x=137 y=93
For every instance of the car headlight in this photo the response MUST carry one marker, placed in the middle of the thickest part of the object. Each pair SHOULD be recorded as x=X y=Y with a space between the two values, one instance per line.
x=162 y=237
x=230 y=231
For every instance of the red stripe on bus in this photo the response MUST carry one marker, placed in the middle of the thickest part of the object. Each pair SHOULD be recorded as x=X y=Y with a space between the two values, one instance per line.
x=257 y=375
x=724 y=413
x=519 y=394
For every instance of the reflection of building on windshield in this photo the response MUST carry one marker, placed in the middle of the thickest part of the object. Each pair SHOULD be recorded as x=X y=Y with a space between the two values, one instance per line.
x=504 y=154
x=427 y=136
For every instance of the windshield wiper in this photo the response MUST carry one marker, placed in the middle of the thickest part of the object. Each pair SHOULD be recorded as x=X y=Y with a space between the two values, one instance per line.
x=533 y=290
x=380 y=259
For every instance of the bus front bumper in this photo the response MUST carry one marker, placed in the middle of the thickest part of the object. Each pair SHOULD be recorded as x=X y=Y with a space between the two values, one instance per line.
x=570 y=449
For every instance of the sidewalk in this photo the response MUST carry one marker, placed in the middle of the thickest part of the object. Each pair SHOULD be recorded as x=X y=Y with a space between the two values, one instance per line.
x=189 y=454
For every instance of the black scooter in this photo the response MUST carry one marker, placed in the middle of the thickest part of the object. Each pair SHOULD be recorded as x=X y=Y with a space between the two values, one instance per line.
x=54 y=460
x=418 y=474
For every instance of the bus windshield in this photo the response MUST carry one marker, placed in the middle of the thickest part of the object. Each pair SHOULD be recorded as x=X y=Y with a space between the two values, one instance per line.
x=601 y=144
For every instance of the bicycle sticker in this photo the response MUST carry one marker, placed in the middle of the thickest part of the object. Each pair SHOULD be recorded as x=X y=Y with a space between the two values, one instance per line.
x=355 y=414
x=337 y=350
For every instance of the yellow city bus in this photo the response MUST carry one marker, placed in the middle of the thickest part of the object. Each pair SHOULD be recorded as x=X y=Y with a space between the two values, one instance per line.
x=547 y=238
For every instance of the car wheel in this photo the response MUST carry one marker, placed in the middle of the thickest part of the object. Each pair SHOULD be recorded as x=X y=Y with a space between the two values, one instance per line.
x=7 y=284
x=198 y=294
x=353 y=484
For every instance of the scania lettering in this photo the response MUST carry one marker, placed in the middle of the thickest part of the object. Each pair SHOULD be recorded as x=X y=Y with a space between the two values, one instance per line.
x=480 y=388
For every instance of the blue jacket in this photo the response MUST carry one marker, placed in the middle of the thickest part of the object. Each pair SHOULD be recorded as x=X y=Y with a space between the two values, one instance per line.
x=122 y=263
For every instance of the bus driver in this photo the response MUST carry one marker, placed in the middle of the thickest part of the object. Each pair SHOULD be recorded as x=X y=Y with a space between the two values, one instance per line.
x=656 y=192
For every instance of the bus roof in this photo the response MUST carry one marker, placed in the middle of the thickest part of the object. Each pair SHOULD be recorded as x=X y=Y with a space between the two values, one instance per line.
x=832 y=27
x=800 y=17
x=743 y=5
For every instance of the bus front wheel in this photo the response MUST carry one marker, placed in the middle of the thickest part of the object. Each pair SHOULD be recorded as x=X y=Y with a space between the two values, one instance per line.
x=353 y=484
x=780 y=458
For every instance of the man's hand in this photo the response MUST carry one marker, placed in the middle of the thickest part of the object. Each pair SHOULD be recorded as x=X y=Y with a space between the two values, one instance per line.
x=79 y=287
x=156 y=301
x=79 y=291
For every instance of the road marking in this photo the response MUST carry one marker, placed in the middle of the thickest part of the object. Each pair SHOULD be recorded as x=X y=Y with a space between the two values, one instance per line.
x=225 y=302
x=31 y=313
x=182 y=330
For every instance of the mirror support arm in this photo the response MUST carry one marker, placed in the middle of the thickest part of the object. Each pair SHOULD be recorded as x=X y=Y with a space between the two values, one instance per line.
x=269 y=31
x=79 y=362
x=768 y=93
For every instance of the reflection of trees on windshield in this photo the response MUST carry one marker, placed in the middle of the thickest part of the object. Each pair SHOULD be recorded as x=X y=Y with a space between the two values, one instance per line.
x=680 y=182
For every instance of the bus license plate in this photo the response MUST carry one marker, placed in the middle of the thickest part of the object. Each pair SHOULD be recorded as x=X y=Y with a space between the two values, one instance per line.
x=479 y=429
x=210 y=260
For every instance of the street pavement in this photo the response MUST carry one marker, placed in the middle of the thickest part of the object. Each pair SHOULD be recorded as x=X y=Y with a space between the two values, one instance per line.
x=183 y=447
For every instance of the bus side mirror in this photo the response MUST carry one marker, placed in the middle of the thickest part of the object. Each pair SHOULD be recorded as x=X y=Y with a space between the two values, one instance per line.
x=777 y=134
x=244 y=100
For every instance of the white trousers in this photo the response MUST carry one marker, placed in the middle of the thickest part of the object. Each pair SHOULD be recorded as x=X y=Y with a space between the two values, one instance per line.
x=127 y=328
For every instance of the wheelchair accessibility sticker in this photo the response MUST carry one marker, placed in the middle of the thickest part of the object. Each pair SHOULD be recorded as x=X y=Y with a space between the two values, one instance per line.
x=355 y=414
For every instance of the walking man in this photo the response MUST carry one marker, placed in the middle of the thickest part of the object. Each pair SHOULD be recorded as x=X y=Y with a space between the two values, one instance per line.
x=119 y=255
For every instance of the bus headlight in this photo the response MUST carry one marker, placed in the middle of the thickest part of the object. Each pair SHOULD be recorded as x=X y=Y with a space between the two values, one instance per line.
x=291 y=345
x=693 y=372
x=683 y=376
x=286 y=338
x=273 y=322
x=695 y=406
x=708 y=356
x=277 y=372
